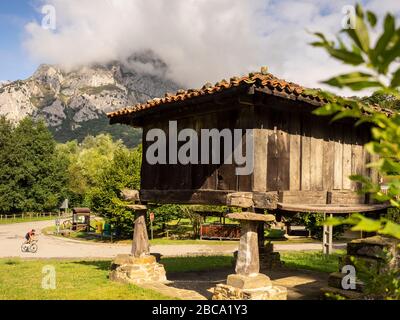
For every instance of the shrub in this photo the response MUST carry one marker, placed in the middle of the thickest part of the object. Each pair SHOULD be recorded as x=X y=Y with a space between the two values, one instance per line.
x=314 y=223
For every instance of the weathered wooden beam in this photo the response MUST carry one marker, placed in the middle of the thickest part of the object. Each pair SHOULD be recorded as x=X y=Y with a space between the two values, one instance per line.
x=304 y=197
x=346 y=197
x=263 y=200
x=240 y=199
x=331 y=208
x=184 y=196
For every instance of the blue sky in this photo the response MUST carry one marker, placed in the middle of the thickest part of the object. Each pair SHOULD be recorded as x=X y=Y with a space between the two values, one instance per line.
x=199 y=42
x=14 y=60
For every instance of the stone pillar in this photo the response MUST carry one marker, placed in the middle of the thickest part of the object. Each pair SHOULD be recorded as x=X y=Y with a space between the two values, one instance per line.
x=247 y=283
x=248 y=258
x=140 y=244
x=260 y=230
x=140 y=266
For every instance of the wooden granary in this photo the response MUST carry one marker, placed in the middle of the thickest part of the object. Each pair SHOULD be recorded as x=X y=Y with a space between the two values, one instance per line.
x=302 y=162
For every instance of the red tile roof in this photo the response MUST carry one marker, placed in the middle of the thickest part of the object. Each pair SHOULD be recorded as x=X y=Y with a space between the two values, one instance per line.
x=263 y=80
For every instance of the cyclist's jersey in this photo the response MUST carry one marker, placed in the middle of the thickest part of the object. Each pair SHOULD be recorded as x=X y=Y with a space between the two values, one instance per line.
x=29 y=235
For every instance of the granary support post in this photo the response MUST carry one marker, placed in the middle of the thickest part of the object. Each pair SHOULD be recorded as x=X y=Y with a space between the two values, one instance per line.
x=140 y=243
x=139 y=266
x=327 y=237
x=248 y=283
x=248 y=261
x=260 y=230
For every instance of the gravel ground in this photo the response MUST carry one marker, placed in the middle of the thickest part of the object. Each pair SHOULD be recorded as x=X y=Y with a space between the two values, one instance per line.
x=12 y=236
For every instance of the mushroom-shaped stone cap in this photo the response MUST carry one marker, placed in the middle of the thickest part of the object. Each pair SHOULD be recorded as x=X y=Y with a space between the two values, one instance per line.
x=251 y=216
x=130 y=195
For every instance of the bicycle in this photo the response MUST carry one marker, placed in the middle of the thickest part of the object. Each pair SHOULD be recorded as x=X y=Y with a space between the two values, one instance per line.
x=29 y=247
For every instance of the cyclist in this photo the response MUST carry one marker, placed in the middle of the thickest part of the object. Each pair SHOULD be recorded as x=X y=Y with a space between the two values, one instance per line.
x=30 y=236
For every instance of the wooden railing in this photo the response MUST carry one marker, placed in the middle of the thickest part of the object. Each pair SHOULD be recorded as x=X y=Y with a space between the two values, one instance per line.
x=32 y=215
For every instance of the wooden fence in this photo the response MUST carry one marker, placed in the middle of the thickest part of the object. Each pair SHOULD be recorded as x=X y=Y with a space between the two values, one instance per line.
x=31 y=215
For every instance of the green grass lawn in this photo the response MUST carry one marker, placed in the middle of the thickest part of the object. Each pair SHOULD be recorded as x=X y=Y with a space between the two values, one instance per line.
x=87 y=279
x=312 y=260
x=79 y=280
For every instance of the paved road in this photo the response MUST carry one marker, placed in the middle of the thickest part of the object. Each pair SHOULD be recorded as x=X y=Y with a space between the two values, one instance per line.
x=12 y=236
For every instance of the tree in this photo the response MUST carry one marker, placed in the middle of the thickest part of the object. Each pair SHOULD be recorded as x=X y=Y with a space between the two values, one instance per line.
x=5 y=148
x=105 y=198
x=32 y=172
x=86 y=163
x=384 y=100
x=313 y=223
x=383 y=76
x=165 y=213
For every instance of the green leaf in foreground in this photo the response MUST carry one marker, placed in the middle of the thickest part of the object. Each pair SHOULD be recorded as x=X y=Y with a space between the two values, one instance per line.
x=367 y=224
x=382 y=226
x=391 y=228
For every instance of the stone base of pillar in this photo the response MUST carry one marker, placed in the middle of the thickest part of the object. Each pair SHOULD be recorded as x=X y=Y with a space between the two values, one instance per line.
x=253 y=287
x=129 y=269
x=364 y=254
x=269 y=259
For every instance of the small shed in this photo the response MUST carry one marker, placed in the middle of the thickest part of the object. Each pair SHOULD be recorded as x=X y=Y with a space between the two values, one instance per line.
x=302 y=162
x=216 y=229
x=81 y=219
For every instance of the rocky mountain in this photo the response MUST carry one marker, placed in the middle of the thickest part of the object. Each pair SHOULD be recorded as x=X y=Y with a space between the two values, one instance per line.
x=74 y=103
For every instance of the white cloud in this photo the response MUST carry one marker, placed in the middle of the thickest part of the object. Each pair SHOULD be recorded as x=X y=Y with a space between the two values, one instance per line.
x=200 y=40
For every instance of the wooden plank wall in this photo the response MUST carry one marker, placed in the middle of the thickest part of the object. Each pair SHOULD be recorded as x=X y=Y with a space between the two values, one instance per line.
x=316 y=156
x=295 y=147
x=293 y=151
x=244 y=120
x=304 y=153
x=322 y=156
x=198 y=176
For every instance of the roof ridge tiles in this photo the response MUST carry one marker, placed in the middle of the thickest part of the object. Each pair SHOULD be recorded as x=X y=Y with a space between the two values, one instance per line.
x=275 y=86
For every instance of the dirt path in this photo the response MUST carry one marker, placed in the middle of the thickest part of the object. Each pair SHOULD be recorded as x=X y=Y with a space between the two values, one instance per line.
x=301 y=284
x=12 y=236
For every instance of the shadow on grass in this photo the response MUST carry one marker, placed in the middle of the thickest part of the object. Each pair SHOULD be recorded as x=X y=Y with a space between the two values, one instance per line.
x=196 y=263
x=202 y=281
x=13 y=261
x=104 y=265
x=174 y=264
